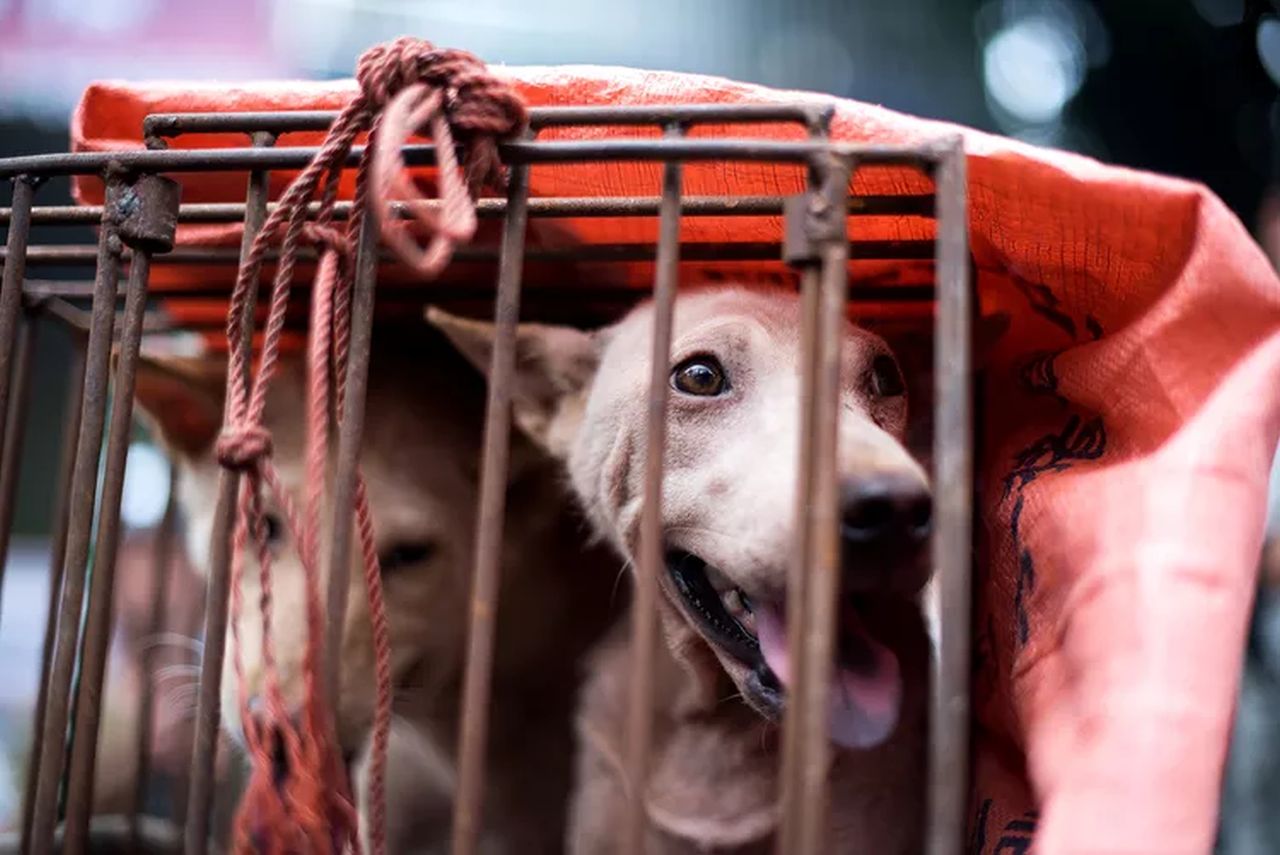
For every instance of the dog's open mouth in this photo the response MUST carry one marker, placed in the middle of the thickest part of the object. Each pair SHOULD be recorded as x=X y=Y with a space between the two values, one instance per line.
x=866 y=688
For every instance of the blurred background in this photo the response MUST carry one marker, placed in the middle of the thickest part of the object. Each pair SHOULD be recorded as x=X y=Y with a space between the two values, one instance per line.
x=1185 y=87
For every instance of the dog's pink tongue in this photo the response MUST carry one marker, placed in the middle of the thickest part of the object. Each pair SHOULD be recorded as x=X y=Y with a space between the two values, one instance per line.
x=864 y=703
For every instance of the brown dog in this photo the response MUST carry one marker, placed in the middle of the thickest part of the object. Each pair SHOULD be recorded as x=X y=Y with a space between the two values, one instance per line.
x=728 y=521
x=420 y=457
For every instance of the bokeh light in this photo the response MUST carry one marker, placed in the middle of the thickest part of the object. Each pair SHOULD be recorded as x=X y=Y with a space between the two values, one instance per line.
x=1221 y=13
x=1269 y=46
x=100 y=18
x=146 y=486
x=1033 y=67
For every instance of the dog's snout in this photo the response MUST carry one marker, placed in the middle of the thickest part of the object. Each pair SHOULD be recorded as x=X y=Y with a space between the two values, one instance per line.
x=886 y=510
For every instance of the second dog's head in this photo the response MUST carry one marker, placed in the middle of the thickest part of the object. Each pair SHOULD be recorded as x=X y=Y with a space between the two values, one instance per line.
x=420 y=446
x=731 y=476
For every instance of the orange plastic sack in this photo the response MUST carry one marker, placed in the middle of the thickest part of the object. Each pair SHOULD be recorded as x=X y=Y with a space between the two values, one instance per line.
x=1129 y=416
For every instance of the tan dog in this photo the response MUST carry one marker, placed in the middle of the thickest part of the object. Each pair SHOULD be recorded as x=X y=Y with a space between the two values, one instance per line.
x=420 y=458
x=728 y=521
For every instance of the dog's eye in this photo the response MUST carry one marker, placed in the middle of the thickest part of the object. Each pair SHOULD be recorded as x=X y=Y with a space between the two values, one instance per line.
x=405 y=554
x=886 y=380
x=700 y=375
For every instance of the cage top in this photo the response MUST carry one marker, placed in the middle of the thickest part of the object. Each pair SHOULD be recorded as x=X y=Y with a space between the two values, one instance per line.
x=1099 y=241
x=1043 y=216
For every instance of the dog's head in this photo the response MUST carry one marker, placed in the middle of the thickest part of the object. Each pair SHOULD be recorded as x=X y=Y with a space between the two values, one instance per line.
x=418 y=459
x=729 y=501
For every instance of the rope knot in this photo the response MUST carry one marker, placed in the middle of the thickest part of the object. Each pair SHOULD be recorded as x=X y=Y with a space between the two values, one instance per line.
x=385 y=69
x=241 y=448
x=408 y=87
x=475 y=101
x=328 y=237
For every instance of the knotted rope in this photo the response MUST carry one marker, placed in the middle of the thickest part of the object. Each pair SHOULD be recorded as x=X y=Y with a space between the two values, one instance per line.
x=404 y=85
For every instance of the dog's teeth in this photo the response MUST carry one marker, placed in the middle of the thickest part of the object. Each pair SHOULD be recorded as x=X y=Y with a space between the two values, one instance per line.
x=737 y=604
x=718 y=580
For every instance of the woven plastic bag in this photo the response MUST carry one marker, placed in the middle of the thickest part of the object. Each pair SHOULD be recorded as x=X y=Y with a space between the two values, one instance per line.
x=1129 y=415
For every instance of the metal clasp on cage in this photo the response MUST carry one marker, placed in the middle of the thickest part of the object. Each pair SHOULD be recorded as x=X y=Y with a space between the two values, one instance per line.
x=145 y=211
x=813 y=219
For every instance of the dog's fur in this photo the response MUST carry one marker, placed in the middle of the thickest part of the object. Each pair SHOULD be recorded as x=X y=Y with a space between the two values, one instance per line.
x=420 y=458
x=729 y=498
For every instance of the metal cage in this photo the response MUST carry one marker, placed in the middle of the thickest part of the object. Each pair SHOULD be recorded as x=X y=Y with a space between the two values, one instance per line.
x=137 y=223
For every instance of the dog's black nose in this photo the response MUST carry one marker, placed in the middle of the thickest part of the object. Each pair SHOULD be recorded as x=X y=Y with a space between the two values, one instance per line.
x=886 y=511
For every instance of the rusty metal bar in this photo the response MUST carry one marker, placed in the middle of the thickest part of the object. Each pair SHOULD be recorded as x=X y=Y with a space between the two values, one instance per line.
x=476 y=687
x=798 y=250
x=490 y=208
x=953 y=514
x=81 y=509
x=395 y=294
x=208 y=712
x=350 y=435
x=399 y=313
x=101 y=604
x=644 y=609
x=57 y=552
x=175 y=124
x=798 y=572
x=15 y=432
x=15 y=260
x=863 y=250
x=817 y=633
x=606 y=150
x=162 y=573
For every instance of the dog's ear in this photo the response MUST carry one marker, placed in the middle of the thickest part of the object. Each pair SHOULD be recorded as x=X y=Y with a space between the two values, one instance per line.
x=179 y=399
x=554 y=365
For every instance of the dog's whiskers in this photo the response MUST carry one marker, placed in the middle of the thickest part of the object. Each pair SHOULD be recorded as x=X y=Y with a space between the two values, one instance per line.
x=617 y=581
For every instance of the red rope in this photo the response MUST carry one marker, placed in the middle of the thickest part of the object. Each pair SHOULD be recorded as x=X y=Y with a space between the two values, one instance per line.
x=404 y=85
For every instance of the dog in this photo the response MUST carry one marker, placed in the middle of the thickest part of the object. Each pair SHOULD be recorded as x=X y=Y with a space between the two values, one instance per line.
x=420 y=458
x=728 y=523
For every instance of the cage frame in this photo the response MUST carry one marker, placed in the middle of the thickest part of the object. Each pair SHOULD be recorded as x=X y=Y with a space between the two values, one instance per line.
x=816 y=242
